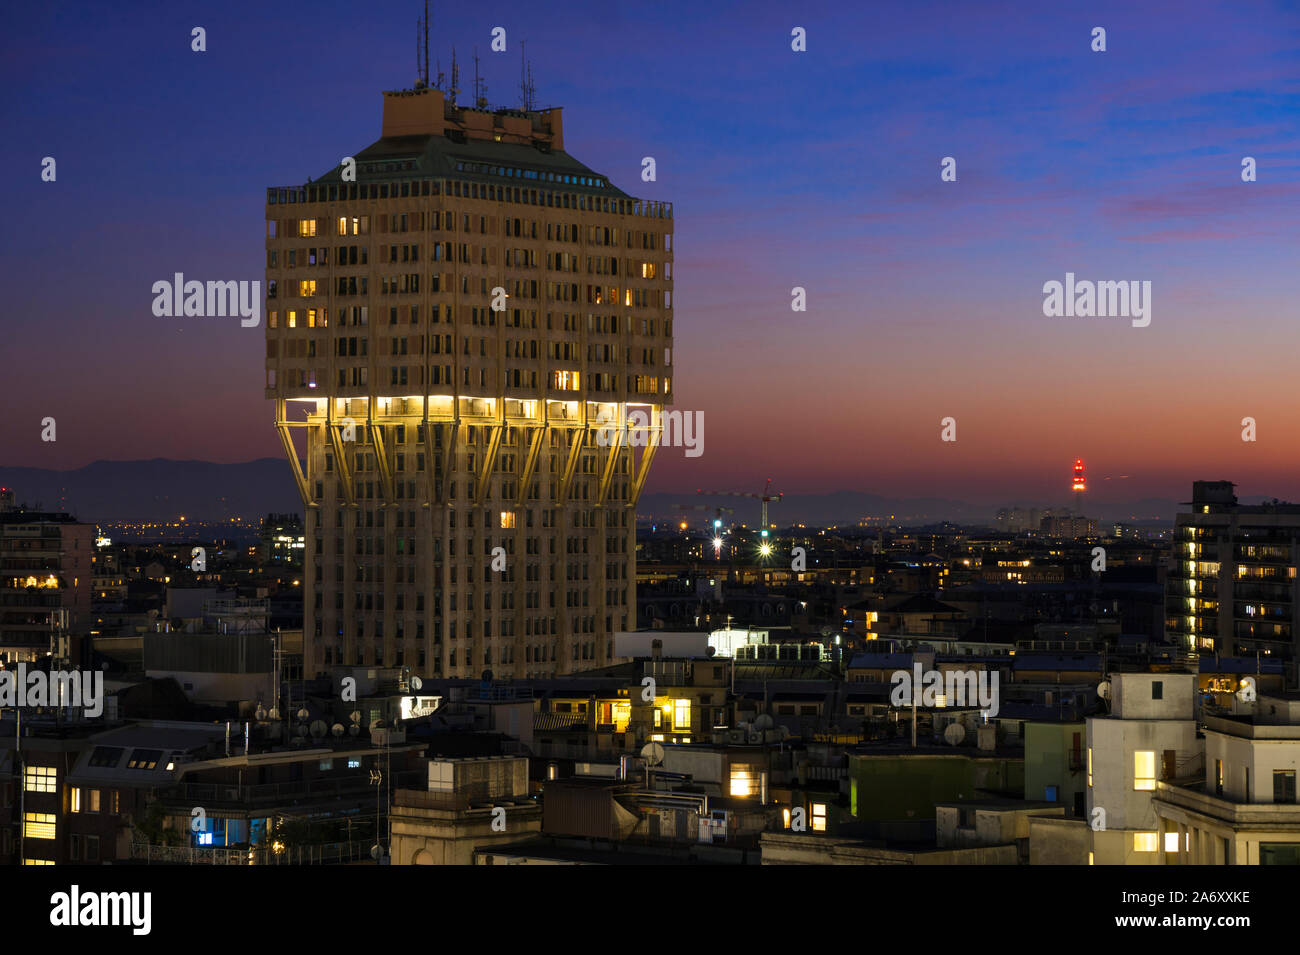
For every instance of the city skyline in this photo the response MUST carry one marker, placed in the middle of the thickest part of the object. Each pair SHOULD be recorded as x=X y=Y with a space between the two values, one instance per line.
x=924 y=297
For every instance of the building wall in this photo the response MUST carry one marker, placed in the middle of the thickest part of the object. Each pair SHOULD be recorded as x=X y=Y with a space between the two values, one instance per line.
x=884 y=788
x=1050 y=761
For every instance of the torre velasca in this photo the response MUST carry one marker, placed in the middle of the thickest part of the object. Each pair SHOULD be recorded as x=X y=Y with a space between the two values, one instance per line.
x=461 y=319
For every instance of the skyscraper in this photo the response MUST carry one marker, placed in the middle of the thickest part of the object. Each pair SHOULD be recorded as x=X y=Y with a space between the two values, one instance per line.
x=458 y=318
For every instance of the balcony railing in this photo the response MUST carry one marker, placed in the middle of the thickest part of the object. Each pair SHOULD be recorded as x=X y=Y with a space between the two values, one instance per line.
x=337 y=852
x=220 y=794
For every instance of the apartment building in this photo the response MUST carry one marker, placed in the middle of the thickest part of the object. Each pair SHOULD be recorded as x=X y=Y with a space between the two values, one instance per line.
x=1243 y=810
x=1148 y=736
x=46 y=577
x=460 y=318
x=1231 y=587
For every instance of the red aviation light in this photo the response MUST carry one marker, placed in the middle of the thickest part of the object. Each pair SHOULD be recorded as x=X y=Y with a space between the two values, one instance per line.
x=1080 y=483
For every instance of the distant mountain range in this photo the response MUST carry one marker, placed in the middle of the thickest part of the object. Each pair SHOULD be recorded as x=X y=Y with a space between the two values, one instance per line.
x=162 y=489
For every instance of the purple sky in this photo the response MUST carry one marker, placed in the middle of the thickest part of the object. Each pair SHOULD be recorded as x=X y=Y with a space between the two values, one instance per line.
x=816 y=169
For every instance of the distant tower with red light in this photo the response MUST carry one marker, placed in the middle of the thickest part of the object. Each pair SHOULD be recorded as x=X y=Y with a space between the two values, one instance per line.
x=1078 y=485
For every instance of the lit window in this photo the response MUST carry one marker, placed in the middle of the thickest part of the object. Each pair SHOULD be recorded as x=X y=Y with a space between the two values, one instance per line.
x=1145 y=841
x=74 y=799
x=37 y=862
x=306 y=227
x=507 y=520
x=1089 y=767
x=307 y=288
x=682 y=714
x=144 y=759
x=1144 y=770
x=819 y=817
x=38 y=825
x=785 y=818
x=742 y=780
x=291 y=319
x=38 y=779
x=1171 y=841
x=1090 y=862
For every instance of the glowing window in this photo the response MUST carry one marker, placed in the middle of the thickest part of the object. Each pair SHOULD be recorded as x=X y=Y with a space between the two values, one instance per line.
x=1089 y=767
x=1171 y=841
x=38 y=825
x=37 y=862
x=1145 y=841
x=1144 y=770
x=819 y=817
x=38 y=779
x=507 y=520
x=307 y=288
x=682 y=714
x=306 y=227
x=743 y=782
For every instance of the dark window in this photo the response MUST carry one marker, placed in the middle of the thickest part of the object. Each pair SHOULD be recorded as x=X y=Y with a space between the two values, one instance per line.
x=1284 y=785
x=106 y=755
x=1157 y=690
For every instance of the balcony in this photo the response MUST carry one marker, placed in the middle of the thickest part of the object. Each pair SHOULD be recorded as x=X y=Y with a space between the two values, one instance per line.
x=1191 y=796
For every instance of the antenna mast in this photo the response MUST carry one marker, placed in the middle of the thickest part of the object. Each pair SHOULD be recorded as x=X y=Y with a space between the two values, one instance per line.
x=480 y=88
x=455 y=78
x=527 y=93
x=422 y=49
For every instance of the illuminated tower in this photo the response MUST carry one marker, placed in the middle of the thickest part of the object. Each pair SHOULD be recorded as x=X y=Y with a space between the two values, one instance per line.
x=445 y=328
x=1078 y=485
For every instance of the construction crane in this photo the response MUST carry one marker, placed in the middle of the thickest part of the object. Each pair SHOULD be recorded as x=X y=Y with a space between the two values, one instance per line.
x=764 y=497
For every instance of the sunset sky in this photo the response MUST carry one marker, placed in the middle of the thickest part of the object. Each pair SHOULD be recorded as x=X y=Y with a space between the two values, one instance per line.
x=817 y=169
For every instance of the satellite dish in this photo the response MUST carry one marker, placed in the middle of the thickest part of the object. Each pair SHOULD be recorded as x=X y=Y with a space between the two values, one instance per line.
x=763 y=722
x=260 y=714
x=318 y=729
x=303 y=713
x=416 y=683
x=302 y=730
x=1103 y=689
x=337 y=730
x=354 y=729
x=954 y=734
x=710 y=651
x=274 y=713
x=355 y=716
x=652 y=753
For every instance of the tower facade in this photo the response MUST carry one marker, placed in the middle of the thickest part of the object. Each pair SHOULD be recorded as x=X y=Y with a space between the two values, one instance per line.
x=459 y=319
